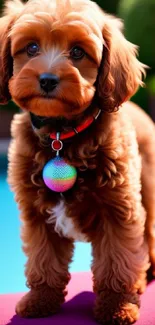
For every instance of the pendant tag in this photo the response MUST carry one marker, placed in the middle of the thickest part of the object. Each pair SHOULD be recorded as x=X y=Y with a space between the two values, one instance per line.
x=57 y=174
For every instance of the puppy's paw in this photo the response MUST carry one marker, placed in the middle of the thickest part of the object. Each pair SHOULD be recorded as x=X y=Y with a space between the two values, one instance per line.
x=116 y=309
x=128 y=314
x=39 y=303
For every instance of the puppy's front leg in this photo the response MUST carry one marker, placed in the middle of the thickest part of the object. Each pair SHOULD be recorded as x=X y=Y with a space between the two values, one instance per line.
x=46 y=271
x=119 y=269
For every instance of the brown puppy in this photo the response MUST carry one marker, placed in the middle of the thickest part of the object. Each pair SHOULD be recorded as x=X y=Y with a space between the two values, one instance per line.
x=112 y=204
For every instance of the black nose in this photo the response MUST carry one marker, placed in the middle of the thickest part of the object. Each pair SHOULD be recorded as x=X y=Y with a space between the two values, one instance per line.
x=48 y=81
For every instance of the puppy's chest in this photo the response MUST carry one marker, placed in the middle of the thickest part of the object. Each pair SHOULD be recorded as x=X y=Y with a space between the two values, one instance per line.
x=63 y=224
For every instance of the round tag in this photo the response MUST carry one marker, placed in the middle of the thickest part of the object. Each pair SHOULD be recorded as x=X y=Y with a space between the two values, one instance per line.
x=58 y=175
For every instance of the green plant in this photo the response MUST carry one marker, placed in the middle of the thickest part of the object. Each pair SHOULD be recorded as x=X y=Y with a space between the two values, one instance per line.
x=139 y=18
x=151 y=85
x=109 y=6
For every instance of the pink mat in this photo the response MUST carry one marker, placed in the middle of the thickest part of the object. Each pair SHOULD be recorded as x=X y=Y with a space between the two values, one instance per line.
x=78 y=307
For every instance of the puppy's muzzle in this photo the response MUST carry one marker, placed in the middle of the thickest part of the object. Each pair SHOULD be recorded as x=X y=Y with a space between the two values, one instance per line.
x=48 y=82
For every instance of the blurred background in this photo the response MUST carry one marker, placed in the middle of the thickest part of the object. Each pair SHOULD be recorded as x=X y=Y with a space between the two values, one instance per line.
x=139 y=20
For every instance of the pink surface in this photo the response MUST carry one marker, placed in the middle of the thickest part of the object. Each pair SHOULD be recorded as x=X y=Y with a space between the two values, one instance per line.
x=78 y=307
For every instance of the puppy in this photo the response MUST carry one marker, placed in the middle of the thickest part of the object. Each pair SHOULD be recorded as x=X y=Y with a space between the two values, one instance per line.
x=69 y=67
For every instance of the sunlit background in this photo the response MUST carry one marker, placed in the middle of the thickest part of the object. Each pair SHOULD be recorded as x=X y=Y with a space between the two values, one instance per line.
x=139 y=19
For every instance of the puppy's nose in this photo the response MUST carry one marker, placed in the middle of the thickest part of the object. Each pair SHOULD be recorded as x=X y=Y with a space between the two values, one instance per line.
x=48 y=81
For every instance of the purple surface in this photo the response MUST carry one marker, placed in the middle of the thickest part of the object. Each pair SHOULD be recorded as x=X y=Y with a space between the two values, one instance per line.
x=77 y=311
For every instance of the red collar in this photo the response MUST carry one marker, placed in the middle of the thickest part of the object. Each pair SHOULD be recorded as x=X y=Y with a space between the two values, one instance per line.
x=81 y=127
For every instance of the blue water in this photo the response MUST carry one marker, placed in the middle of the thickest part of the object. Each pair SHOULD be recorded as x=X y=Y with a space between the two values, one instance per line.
x=12 y=259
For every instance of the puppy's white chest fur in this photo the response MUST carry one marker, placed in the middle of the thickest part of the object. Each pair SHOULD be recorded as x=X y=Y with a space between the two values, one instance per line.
x=64 y=225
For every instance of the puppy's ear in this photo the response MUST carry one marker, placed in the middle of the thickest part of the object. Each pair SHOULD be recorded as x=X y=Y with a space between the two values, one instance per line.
x=120 y=72
x=6 y=64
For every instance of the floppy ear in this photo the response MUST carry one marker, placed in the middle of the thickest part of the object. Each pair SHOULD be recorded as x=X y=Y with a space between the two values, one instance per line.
x=120 y=73
x=6 y=62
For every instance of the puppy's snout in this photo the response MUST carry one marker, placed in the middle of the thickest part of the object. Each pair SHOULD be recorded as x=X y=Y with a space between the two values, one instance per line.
x=48 y=81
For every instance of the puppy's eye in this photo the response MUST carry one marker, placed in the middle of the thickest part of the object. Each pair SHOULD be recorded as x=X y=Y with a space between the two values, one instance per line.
x=77 y=53
x=32 y=49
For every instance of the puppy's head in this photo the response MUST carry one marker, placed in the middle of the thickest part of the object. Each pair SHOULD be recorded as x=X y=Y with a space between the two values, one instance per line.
x=57 y=55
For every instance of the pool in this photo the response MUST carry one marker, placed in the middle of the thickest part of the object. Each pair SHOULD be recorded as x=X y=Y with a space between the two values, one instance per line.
x=12 y=278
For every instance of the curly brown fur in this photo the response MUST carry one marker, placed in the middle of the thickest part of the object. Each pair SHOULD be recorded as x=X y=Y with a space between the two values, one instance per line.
x=112 y=204
x=122 y=309
x=40 y=302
